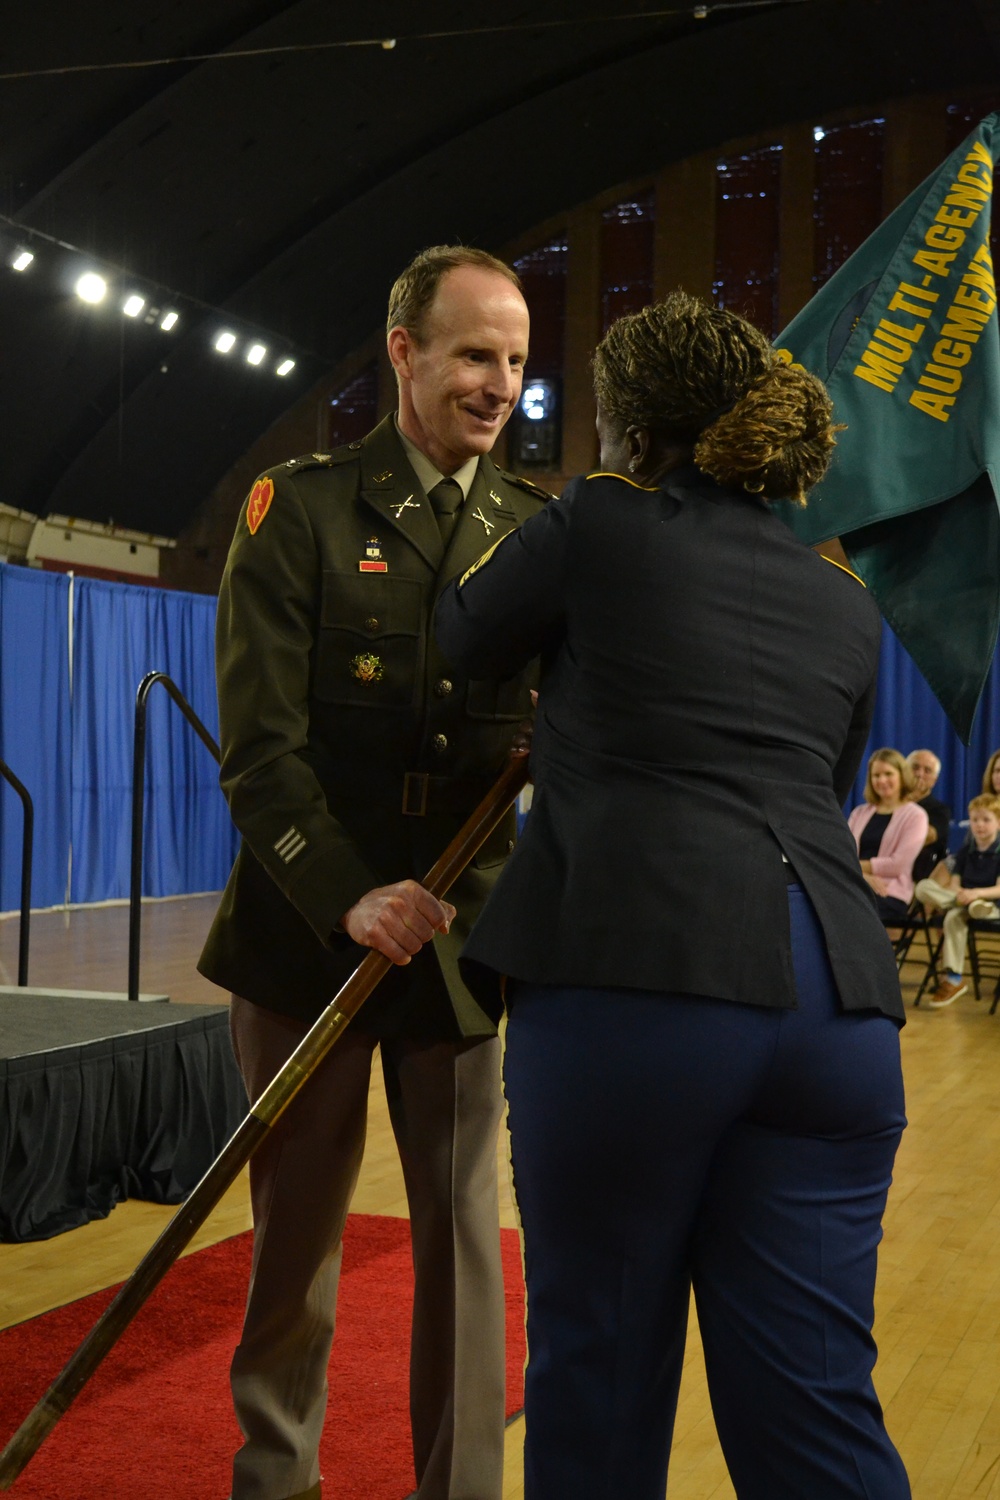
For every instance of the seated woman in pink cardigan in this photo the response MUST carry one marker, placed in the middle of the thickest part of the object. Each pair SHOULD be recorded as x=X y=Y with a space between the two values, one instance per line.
x=890 y=830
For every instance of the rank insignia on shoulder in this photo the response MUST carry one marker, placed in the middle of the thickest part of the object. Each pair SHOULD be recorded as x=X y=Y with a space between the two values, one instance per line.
x=367 y=667
x=322 y=458
x=373 y=562
x=259 y=504
x=481 y=561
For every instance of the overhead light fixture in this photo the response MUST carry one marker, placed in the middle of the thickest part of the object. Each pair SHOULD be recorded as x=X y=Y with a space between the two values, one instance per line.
x=256 y=353
x=168 y=321
x=818 y=133
x=286 y=366
x=91 y=287
x=225 y=341
x=133 y=305
x=22 y=260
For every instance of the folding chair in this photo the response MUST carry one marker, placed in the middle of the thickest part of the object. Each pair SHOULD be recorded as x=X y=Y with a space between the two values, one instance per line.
x=914 y=924
x=984 y=956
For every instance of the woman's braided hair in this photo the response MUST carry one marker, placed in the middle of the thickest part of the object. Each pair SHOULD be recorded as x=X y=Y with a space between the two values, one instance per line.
x=700 y=374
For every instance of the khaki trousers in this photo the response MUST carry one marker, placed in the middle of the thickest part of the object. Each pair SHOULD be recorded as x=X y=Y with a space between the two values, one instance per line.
x=445 y=1107
x=956 y=931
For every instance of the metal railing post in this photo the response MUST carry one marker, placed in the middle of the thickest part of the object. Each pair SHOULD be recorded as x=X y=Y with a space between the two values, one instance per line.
x=138 y=806
x=27 y=845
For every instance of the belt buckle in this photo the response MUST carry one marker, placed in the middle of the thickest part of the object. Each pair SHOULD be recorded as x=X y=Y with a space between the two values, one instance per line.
x=415 y=785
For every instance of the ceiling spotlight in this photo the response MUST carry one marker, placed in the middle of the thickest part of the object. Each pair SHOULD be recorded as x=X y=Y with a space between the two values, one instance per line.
x=818 y=133
x=225 y=341
x=256 y=353
x=91 y=287
x=22 y=260
x=168 y=321
x=133 y=306
x=286 y=366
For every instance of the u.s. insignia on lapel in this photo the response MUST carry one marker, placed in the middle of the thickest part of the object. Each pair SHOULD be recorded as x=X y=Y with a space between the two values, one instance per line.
x=400 y=505
x=381 y=478
x=367 y=667
x=496 y=498
x=477 y=515
x=373 y=562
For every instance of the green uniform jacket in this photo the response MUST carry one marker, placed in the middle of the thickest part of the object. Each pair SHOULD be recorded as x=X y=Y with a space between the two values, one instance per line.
x=331 y=690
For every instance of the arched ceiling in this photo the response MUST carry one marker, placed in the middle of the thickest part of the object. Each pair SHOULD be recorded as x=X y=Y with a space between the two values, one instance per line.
x=279 y=193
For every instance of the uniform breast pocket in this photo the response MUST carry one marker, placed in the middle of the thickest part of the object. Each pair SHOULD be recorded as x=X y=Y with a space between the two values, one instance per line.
x=369 y=650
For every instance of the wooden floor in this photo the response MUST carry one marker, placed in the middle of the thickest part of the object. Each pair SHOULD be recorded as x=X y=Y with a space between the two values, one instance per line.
x=938 y=1303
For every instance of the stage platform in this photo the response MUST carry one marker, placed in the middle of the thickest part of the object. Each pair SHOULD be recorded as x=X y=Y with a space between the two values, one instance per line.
x=102 y=1100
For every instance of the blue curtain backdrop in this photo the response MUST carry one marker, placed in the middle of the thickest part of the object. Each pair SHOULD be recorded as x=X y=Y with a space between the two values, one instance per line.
x=74 y=753
x=66 y=730
x=121 y=632
x=35 y=730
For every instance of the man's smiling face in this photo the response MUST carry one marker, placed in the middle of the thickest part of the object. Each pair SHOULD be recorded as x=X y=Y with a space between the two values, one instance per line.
x=460 y=382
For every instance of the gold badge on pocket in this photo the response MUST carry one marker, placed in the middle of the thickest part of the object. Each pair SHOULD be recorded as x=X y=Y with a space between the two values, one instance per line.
x=367 y=667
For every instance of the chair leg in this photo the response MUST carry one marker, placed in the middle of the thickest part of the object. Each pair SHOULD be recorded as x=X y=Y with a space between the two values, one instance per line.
x=974 y=961
x=931 y=972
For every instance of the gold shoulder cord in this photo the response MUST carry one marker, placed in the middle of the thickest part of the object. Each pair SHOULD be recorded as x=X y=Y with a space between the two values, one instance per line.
x=849 y=571
x=649 y=489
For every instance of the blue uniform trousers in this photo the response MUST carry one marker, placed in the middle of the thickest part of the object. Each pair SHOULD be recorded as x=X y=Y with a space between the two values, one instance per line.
x=664 y=1141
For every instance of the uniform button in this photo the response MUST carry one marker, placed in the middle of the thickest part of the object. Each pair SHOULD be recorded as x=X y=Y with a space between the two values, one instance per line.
x=371 y=623
x=442 y=688
x=440 y=743
x=510 y=846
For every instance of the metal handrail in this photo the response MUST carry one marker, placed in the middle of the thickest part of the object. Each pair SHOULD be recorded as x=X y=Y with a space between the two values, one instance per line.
x=27 y=844
x=138 y=805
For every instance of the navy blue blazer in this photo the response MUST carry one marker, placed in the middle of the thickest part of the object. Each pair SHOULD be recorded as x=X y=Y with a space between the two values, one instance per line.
x=706 y=695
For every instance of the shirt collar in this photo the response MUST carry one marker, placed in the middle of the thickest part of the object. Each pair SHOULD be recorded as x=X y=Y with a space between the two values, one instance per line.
x=428 y=475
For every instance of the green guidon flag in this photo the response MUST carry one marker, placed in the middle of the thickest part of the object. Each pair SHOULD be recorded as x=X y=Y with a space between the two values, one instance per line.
x=905 y=337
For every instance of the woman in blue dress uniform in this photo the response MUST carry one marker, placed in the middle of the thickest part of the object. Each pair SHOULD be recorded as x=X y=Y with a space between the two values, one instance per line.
x=702 y=1058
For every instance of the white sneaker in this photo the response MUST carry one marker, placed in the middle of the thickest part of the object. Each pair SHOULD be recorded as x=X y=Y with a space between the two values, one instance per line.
x=984 y=911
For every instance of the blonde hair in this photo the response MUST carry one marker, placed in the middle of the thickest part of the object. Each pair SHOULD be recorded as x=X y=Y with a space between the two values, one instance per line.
x=704 y=375
x=907 y=780
x=988 y=774
x=990 y=802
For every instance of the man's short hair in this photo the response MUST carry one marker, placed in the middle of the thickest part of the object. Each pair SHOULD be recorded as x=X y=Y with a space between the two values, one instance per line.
x=935 y=758
x=415 y=288
x=987 y=803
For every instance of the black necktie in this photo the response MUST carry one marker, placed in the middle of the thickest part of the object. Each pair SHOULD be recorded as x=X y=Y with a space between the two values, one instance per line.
x=446 y=498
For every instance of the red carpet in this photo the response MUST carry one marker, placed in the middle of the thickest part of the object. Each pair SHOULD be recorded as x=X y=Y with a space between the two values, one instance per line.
x=155 y=1420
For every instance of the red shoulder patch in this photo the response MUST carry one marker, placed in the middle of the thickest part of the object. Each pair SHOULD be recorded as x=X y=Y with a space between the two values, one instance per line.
x=259 y=503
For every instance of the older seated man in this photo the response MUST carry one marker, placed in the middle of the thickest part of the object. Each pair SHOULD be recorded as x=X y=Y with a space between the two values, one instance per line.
x=926 y=768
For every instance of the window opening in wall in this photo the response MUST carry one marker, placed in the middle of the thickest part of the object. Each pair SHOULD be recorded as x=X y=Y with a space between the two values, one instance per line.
x=847 y=198
x=627 y=237
x=353 y=409
x=535 y=434
x=748 y=235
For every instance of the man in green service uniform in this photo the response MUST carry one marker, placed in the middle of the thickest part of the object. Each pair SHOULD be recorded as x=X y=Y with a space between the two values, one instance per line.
x=351 y=754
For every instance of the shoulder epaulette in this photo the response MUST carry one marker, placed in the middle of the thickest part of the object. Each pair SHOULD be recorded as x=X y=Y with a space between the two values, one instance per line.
x=324 y=460
x=526 y=484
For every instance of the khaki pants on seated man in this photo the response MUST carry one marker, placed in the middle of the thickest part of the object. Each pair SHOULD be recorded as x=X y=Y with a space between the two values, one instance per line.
x=956 y=932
